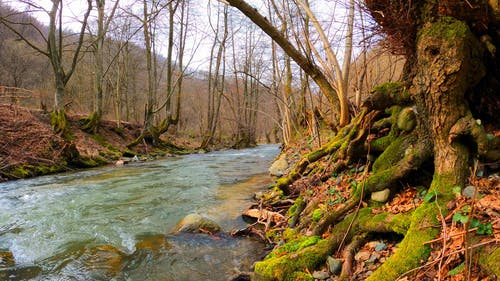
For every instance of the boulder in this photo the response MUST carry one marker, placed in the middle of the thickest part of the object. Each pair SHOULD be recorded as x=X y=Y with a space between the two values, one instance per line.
x=381 y=196
x=279 y=166
x=195 y=223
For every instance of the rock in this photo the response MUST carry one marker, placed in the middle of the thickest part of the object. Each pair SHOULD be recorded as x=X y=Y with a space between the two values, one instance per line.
x=321 y=275
x=334 y=265
x=362 y=256
x=152 y=242
x=469 y=191
x=380 y=247
x=279 y=166
x=373 y=258
x=120 y=162
x=104 y=260
x=194 y=223
x=381 y=196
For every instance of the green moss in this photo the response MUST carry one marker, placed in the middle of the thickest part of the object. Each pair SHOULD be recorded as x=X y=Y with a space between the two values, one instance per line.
x=26 y=171
x=389 y=88
x=382 y=143
x=492 y=262
x=447 y=28
x=393 y=153
x=400 y=223
x=290 y=234
x=22 y=171
x=59 y=123
x=274 y=193
x=286 y=267
x=407 y=119
x=424 y=226
x=294 y=245
x=317 y=214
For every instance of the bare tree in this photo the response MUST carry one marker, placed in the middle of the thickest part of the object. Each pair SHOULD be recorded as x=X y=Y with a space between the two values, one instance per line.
x=334 y=89
x=54 y=50
x=98 y=39
x=216 y=78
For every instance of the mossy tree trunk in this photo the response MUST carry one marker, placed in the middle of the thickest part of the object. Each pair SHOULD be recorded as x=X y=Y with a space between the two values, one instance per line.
x=447 y=64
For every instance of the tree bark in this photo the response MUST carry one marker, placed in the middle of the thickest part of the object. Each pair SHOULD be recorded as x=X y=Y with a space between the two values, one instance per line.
x=310 y=68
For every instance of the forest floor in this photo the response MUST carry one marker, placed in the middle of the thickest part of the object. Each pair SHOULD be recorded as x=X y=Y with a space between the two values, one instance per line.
x=472 y=223
x=29 y=147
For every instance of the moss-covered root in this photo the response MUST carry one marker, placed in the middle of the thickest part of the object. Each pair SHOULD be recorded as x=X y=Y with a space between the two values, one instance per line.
x=424 y=226
x=59 y=122
x=91 y=123
x=342 y=146
x=308 y=253
x=413 y=158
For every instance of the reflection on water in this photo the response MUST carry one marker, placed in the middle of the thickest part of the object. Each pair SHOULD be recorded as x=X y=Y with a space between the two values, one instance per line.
x=111 y=223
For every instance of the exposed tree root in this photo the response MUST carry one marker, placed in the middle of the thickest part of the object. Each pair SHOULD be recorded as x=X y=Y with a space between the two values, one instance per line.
x=91 y=124
x=348 y=255
x=302 y=253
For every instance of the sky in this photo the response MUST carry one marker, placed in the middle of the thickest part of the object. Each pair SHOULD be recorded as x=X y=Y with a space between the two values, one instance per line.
x=201 y=36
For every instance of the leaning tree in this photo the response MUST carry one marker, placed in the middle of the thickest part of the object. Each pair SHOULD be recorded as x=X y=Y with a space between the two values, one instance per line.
x=431 y=127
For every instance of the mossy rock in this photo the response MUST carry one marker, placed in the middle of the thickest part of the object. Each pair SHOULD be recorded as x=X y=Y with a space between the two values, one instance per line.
x=407 y=120
x=194 y=223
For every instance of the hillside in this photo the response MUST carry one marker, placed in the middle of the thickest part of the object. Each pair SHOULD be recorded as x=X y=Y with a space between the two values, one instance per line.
x=29 y=147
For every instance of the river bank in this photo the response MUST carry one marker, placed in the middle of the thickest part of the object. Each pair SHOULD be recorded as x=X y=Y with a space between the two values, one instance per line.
x=29 y=147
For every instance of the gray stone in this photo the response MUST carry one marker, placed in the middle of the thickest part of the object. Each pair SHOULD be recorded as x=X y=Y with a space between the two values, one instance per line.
x=469 y=191
x=381 y=196
x=321 y=275
x=279 y=167
x=334 y=265
x=372 y=259
x=380 y=247
x=194 y=223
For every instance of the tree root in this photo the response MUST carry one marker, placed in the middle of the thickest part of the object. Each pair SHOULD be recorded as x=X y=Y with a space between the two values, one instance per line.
x=346 y=144
x=91 y=123
x=312 y=252
x=380 y=180
x=424 y=226
x=348 y=255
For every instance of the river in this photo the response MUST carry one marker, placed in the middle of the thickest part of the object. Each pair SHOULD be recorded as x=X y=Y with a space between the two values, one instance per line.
x=116 y=223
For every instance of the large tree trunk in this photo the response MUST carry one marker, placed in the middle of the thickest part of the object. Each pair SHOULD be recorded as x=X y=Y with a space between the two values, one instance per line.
x=448 y=64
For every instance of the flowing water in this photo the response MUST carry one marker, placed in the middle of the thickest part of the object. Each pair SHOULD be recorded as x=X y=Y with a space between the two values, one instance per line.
x=115 y=223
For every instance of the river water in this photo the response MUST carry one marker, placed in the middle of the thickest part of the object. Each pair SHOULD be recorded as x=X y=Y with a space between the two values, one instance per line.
x=115 y=223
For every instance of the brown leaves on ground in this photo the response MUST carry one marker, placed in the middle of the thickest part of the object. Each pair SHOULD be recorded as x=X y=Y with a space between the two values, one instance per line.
x=369 y=257
x=471 y=224
x=405 y=201
x=27 y=140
